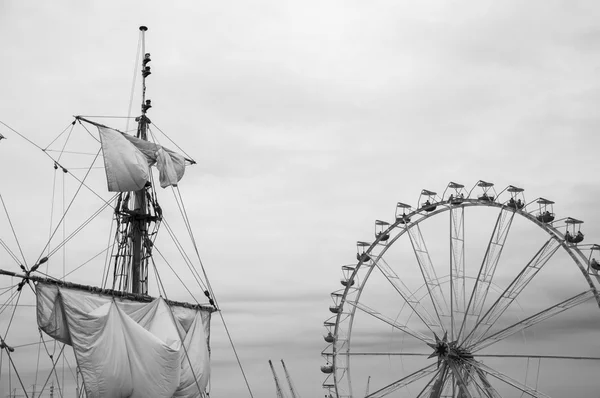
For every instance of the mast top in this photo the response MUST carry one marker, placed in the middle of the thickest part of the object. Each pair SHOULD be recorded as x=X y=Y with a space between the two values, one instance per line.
x=143 y=28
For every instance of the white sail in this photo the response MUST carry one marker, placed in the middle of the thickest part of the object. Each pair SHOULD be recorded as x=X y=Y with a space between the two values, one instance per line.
x=127 y=348
x=127 y=160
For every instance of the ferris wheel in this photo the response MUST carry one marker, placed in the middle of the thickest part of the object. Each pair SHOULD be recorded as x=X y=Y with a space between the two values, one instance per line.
x=472 y=293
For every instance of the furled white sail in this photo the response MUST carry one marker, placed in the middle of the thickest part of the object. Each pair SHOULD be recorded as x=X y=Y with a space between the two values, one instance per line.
x=127 y=348
x=127 y=160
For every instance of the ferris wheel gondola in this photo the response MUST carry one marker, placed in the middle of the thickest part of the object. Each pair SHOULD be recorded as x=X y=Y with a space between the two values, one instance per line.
x=488 y=194
x=457 y=196
x=517 y=199
x=454 y=308
x=573 y=233
x=546 y=210
x=430 y=199
x=401 y=216
x=380 y=231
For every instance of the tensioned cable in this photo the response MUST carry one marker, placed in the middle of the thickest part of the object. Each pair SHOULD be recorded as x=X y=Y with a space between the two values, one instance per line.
x=13 y=315
x=183 y=254
x=54 y=369
x=235 y=352
x=184 y=213
x=135 y=70
x=178 y=331
x=76 y=231
x=57 y=163
x=175 y=273
x=21 y=135
x=71 y=124
x=189 y=230
x=173 y=142
x=17 y=373
x=186 y=218
x=7 y=303
x=187 y=259
x=87 y=130
x=14 y=257
x=13 y=230
x=109 y=255
x=108 y=117
x=71 y=152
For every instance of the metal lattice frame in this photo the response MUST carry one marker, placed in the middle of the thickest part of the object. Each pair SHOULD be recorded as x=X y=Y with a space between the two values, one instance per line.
x=468 y=376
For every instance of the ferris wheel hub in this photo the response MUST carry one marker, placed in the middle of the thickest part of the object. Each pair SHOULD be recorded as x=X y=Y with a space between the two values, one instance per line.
x=446 y=350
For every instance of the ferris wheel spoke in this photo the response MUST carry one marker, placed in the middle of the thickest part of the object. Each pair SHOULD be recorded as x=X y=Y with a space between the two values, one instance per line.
x=405 y=381
x=457 y=265
x=513 y=290
x=532 y=320
x=477 y=383
x=391 y=322
x=465 y=389
x=526 y=356
x=428 y=272
x=435 y=386
x=510 y=381
x=488 y=266
x=409 y=297
x=387 y=354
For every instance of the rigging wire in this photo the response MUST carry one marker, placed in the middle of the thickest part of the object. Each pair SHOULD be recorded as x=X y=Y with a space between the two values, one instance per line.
x=21 y=135
x=186 y=220
x=71 y=124
x=184 y=255
x=176 y=275
x=178 y=331
x=58 y=164
x=235 y=352
x=13 y=230
x=17 y=373
x=108 y=117
x=14 y=257
x=53 y=370
x=173 y=142
x=69 y=207
x=135 y=70
x=86 y=129
x=3 y=340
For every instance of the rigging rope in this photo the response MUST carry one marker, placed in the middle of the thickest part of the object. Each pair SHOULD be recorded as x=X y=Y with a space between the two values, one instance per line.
x=189 y=227
x=71 y=124
x=235 y=352
x=176 y=275
x=13 y=231
x=173 y=142
x=135 y=70
x=53 y=370
x=184 y=255
x=178 y=331
x=6 y=348
x=186 y=220
x=14 y=257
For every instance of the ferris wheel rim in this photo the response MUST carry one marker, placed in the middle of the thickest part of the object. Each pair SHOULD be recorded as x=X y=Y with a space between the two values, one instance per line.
x=417 y=216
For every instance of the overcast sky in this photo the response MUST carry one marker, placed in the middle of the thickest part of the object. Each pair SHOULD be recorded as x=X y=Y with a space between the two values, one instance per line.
x=309 y=120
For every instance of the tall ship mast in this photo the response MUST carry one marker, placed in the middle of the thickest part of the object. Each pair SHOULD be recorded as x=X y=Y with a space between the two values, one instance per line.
x=126 y=342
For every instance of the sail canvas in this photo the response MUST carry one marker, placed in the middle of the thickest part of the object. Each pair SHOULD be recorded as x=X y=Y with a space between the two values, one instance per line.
x=127 y=348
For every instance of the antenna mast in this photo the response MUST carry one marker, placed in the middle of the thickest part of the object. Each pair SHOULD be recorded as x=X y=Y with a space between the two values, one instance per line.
x=289 y=380
x=277 y=386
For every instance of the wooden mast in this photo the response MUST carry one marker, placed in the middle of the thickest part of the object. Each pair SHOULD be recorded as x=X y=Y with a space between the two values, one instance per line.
x=139 y=282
